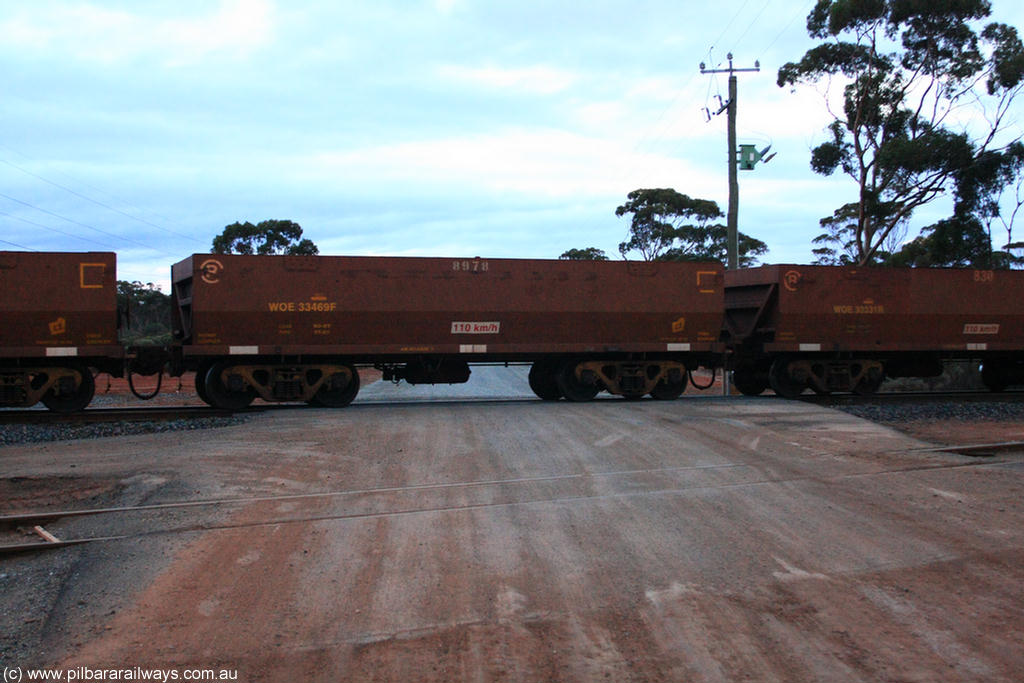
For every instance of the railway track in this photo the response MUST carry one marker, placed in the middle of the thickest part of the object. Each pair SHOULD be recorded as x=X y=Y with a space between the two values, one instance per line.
x=914 y=397
x=142 y=414
x=32 y=523
x=94 y=415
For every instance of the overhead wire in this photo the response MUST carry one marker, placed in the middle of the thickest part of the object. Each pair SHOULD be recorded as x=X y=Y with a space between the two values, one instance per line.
x=728 y=26
x=657 y=129
x=85 y=197
x=752 y=22
x=801 y=9
x=59 y=232
x=96 y=201
x=79 y=223
x=18 y=246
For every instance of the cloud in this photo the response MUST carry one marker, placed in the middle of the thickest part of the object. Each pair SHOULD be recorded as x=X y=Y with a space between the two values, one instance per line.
x=531 y=161
x=93 y=33
x=537 y=80
x=445 y=6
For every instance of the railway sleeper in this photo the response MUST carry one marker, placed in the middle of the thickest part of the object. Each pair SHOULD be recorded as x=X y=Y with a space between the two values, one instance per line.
x=633 y=379
x=61 y=389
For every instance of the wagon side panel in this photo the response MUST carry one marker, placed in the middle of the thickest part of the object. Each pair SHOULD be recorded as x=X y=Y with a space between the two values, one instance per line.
x=58 y=304
x=377 y=305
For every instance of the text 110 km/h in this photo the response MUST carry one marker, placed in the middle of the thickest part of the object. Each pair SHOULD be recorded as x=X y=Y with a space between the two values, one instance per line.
x=476 y=327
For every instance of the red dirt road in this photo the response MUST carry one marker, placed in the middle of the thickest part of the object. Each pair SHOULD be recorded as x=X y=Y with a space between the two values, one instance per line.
x=696 y=540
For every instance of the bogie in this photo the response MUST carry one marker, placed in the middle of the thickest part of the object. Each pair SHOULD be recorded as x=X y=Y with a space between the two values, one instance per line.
x=234 y=385
x=789 y=376
x=62 y=389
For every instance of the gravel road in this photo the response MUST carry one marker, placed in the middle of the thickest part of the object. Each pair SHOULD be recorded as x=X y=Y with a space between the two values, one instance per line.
x=486 y=537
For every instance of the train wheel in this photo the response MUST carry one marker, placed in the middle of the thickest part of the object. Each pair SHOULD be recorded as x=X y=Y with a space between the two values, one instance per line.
x=219 y=395
x=75 y=400
x=543 y=382
x=870 y=383
x=572 y=387
x=340 y=393
x=748 y=381
x=782 y=383
x=669 y=391
x=200 y=381
x=993 y=376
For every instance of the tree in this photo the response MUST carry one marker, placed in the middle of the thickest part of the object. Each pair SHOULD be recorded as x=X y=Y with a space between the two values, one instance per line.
x=148 y=313
x=950 y=243
x=980 y=196
x=587 y=254
x=669 y=226
x=268 y=237
x=911 y=70
x=966 y=239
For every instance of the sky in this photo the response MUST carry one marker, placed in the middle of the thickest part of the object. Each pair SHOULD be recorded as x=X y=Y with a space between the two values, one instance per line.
x=438 y=128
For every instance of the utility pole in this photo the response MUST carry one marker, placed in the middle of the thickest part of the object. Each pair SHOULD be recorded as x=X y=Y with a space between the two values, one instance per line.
x=734 y=186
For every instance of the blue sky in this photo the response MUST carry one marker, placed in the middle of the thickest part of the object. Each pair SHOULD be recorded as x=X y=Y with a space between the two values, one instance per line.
x=438 y=128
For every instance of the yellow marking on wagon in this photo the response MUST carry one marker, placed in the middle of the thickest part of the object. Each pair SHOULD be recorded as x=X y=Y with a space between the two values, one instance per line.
x=302 y=306
x=90 y=275
x=706 y=281
x=859 y=309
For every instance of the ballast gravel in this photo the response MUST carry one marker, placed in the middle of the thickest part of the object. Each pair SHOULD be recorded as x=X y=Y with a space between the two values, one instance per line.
x=11 y=434
x=973 y=411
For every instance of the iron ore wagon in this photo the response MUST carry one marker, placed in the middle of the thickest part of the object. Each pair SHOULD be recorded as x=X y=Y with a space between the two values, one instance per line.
x=58 y=319
x=295 y=328
x=833 y=328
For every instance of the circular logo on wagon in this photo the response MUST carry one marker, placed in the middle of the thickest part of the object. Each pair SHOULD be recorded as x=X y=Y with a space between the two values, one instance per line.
x=791 y=279
x=211 y=269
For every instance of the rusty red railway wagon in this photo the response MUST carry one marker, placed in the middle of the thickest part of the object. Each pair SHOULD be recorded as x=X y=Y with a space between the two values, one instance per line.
x=59 y=319
x=295 y=328
x=834 y=328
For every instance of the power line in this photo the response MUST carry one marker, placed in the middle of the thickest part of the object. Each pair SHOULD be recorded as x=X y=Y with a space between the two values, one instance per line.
x=59 y=232
x=729 y=25
x=79 y=223
x=96 y=201
x=656 y=130
x=18 y=246
x=752 y=22
x=800 y=10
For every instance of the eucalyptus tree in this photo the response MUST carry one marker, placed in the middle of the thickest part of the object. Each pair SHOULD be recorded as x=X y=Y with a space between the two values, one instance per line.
x=266 y=237
x=927 y=94
x=667 y=225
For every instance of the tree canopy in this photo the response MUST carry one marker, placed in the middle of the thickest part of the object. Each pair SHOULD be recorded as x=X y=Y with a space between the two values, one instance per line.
x=669 y=226
x=148 y=313
x=267 y=237
x=586 y=254
x=926 y=99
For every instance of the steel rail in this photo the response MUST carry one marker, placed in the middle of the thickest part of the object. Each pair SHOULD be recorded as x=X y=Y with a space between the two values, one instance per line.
x=43 y=516
x=98 y=415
